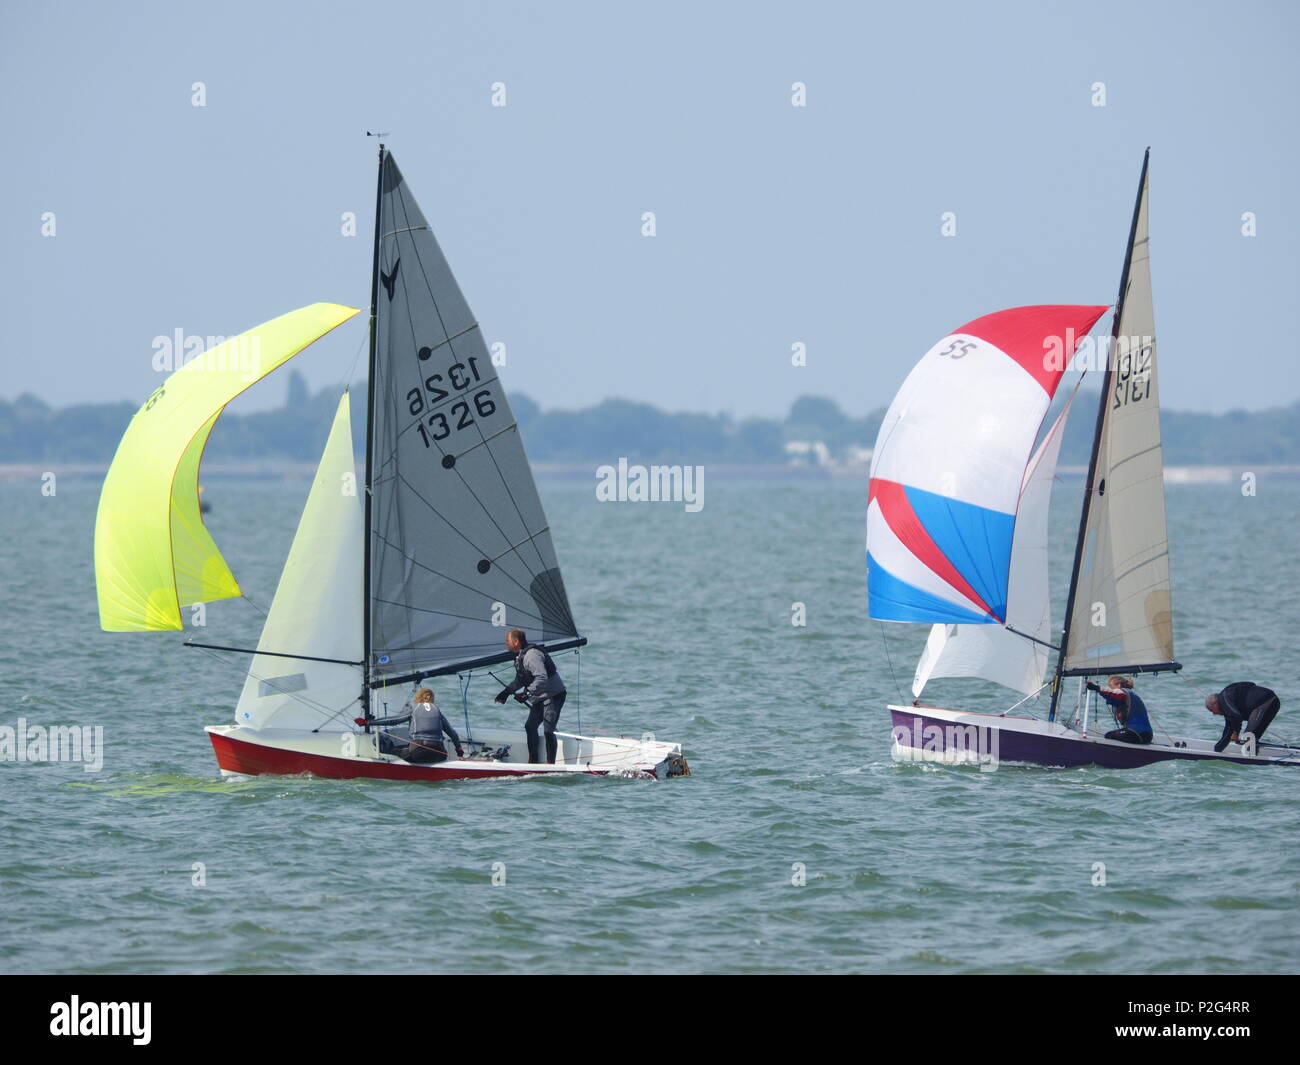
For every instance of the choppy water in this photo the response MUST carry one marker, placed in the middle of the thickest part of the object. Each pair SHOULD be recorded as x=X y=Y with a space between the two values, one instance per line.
x=909 y=868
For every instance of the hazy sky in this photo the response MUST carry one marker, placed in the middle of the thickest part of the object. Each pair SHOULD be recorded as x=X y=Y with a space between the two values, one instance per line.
x=775 y=224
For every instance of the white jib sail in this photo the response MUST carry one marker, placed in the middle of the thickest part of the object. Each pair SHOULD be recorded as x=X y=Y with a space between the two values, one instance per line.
x=318 y=610
x=991 y=651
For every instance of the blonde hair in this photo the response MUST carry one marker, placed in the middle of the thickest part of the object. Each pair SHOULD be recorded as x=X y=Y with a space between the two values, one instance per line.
x=418 y=697
x=1124 y=682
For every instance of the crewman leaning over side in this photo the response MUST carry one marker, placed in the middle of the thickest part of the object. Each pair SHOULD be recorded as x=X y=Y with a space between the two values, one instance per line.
x=1246 y=708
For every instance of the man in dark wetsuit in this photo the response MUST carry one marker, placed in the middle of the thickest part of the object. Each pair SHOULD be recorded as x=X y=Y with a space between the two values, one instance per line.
x=537 y=677
x=1243 y=704
x=426 y=743
x=1129 y=710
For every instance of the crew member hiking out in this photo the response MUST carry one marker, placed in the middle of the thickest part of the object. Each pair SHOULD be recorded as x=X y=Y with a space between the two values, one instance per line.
x=537 y=678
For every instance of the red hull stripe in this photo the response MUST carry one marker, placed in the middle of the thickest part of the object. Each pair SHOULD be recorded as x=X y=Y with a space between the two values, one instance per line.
x=897 y=511
x=253 y=759
x=1026 y=334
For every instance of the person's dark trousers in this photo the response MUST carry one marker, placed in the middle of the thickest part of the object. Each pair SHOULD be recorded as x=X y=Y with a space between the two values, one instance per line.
x=1127 y=735
x=422 y=753
x=544 y=711
x=419 y=753
x=1262 y=716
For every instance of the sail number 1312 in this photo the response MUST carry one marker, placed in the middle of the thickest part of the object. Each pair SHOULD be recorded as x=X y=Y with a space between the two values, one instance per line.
x=1133 y=378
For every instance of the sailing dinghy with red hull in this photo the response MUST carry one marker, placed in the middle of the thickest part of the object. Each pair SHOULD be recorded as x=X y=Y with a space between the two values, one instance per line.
x=957 y=534
x=416 y=573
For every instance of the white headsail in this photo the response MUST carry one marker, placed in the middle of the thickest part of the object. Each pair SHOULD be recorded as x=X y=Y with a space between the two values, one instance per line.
x=317 y=611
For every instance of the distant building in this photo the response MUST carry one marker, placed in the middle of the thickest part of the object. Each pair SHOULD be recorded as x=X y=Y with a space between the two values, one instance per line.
x=807 y=453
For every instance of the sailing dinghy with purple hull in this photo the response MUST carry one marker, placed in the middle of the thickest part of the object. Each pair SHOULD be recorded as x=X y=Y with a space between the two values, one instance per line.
x=957 y=535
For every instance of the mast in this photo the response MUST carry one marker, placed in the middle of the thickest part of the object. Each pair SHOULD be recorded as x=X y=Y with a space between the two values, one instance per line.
x=370 y=425
x=1096 y=443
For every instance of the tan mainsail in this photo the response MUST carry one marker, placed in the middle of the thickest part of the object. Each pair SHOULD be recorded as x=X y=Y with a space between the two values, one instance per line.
x=1121 y=617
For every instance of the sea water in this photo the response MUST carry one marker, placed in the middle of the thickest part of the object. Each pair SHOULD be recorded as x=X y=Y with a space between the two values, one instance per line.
x=797 y=845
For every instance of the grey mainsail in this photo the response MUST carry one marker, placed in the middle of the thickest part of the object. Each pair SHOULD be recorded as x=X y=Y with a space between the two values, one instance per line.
x=460 y=548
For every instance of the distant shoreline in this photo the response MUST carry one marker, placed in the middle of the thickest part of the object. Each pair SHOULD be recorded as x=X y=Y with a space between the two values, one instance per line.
x=815 y=440
x=290 y=470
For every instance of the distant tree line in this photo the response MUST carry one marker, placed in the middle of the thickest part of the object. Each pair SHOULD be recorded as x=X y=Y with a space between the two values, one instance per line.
x=30 y=430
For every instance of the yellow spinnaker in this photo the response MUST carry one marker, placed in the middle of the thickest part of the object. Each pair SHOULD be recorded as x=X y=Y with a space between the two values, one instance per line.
x=153 y=554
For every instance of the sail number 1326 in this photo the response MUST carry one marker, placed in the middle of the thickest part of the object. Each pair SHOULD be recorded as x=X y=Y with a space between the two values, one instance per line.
x=460 y=415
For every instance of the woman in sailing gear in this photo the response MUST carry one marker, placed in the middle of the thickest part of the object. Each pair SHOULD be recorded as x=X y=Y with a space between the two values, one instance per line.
x=1245 y=704
x=537 y=677
x=427 y=727
x=1129 y=710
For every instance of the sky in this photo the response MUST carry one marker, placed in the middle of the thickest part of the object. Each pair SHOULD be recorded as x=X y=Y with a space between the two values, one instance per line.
x=775 y=225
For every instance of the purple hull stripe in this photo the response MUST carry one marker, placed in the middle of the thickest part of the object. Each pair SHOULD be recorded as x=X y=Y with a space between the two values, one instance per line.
x=1016 y=746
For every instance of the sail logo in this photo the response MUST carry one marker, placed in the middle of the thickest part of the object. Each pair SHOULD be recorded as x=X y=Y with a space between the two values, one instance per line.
x=53 y=743
x=102 y=1018
x=627 y=483
x=242 y=354
x=951 y=744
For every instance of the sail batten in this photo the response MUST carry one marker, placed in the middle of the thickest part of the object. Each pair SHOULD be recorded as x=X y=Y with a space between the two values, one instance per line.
x=459 y=546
